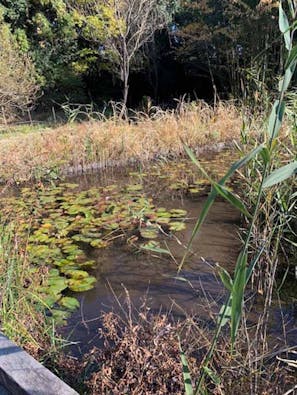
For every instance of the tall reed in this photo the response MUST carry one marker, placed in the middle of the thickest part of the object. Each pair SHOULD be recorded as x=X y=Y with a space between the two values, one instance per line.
x=231 y=311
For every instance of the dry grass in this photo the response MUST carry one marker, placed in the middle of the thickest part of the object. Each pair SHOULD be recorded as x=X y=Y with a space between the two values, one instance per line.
x=141 y=356
x=33 y=155
x=21 y=316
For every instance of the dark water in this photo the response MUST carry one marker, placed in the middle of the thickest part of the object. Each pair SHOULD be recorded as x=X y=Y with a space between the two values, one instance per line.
x=121 y=272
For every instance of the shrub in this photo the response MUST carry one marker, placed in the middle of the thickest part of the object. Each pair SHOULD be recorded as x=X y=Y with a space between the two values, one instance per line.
x=18 y=85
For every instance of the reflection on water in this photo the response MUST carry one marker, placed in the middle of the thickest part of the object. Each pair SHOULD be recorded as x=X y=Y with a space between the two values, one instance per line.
x=155 y=278
x=140 y=274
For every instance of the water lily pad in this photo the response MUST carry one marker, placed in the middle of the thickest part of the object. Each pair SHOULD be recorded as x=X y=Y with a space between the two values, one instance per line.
x=177 y=226
x=69 y=185
x=163 y=220
x=82 y=239
x=60 y=316
x=150 y=244
x=69 y=303
x=82 y=285
x=53 y=273
x=77 y=274
x=178 y=213
x=134 y=188
x=195 y=190
x=87 y=264
x=50 y=300
x=99 y=243
x=149 y=232
x=56 y=285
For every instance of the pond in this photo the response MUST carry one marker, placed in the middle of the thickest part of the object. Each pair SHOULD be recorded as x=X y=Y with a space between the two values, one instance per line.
x=144 y=276
x=123 y=233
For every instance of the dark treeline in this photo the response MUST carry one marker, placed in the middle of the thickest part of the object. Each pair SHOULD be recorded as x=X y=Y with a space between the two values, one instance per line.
x=99 y=50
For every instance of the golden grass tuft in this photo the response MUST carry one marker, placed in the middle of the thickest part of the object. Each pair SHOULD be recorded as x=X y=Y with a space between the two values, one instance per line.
x=29 y=156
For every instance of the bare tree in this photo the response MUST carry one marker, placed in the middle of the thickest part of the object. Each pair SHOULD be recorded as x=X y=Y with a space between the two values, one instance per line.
x=142 y=18
x=133 y=23
x=18 y=87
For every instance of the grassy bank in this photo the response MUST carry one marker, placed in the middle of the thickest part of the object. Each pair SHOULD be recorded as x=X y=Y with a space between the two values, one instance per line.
x=35 y=155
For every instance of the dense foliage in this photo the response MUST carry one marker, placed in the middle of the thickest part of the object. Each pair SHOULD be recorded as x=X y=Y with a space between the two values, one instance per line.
x=208 y=48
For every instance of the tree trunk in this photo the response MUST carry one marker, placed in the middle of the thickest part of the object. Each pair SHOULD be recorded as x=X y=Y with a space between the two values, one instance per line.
x=126 y=91
x=125 y=78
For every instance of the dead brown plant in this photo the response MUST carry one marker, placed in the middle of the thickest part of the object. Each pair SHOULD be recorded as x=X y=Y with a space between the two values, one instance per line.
x=115 y=141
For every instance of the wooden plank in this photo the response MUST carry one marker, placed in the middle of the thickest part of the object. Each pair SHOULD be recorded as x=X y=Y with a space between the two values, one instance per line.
x=21 y=374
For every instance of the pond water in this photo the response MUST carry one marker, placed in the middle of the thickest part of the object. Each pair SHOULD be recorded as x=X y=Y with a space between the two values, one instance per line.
x=142 y=275
x=154 y=279
x=92 y=231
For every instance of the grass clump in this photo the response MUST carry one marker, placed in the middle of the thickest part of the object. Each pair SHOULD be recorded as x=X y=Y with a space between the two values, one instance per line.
x=22 y=316
x=114 y=141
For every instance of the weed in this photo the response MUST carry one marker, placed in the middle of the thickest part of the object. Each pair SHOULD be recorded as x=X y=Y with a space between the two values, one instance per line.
x=116 y=141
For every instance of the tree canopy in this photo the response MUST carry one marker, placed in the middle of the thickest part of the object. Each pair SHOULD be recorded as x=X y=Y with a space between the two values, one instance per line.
x=78 y=46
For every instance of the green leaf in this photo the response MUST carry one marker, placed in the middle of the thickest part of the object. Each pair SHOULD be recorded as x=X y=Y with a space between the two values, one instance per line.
x=275 y=119
x=226 y=278
x=134 y=188
x=60 y=316
x=286 y=80
x=151 y=248
x=56 y=285
x=69 y=303
x=50 y=300
x=231 y=198
x=76 y=274
x=265 y=154
x=224 y=315
x=149 y=232
x=212 y=375
x=237 y=294
x=284 y=26
x=292 y=57
x=177 y=213
x=213 y=194
x=82 y=285
x=280 y=175
x=189 y=390
x=292 y=10
x=177 y=226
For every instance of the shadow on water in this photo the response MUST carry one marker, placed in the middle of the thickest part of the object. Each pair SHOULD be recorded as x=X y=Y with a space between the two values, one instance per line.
x=155 y=278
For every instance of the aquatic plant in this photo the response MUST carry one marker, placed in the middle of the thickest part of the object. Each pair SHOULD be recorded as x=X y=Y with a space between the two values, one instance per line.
x=58 y=224
x=181 y=178
x=231 y=311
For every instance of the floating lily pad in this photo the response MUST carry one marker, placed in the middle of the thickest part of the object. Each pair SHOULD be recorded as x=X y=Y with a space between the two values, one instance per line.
x=87 y=264
x=178 y=213
x=56 y=285
x=76 y=274
x=134 y=188
x=163 y=220
x=99 y=243
x=177 y=226
x=60 y=316
x=150 y=232
x=69 y=303
x=194 y=190
x=50 y=300
x=82 y=285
